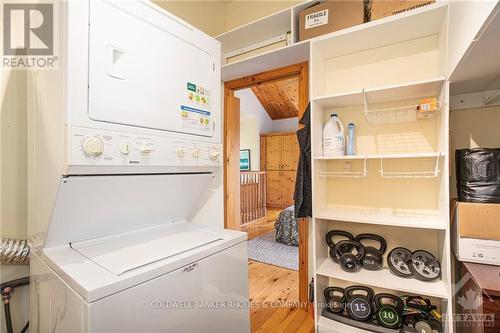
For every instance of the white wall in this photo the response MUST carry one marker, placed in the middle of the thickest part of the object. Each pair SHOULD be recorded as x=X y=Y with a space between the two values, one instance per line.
x=13 y=183
x=473 y=128
x=254 y=120
x=250 y=139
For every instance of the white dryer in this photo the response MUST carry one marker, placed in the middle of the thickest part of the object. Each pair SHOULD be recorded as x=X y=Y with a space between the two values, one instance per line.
x=125 y=202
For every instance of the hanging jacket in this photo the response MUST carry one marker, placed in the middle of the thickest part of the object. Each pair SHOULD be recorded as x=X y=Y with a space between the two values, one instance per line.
x=303 y=187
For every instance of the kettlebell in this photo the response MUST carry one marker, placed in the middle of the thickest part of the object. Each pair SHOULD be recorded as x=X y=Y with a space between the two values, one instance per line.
x=359 y=304
x=389 y=310
x=335 y=299
x=331 y=244
x=373 y=259
x=349 y=260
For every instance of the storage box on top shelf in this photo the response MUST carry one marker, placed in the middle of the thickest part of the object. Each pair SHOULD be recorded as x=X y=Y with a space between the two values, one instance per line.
x=330 y=16
x=377 y=9
x=476 y=232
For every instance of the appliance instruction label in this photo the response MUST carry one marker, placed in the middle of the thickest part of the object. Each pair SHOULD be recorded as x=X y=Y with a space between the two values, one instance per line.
x=195 y=119
x=316 y=19
x=199 y=95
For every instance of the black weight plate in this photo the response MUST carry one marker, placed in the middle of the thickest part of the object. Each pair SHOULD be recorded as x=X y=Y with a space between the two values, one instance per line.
x=388 y=317
x=360 y=309
x=424 y=266
x=397 y=261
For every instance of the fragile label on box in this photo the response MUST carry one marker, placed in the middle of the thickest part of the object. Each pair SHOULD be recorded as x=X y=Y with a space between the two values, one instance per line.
x=316 y=19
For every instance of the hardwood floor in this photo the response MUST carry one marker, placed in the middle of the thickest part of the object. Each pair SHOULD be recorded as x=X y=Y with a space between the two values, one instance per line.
x=275 y=300
x=262 y=226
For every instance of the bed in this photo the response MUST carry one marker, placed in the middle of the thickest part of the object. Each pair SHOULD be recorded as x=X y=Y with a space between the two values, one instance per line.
x=287 y=230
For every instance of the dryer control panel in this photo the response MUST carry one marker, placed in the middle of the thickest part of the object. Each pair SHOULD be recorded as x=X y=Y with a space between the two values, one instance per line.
x=107 y=148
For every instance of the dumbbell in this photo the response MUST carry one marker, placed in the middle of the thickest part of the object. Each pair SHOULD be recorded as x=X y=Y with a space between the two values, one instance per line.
x=350 y=254
x=389 y=310
x=373 y=259
x=335 y=299
x=331 y=244
x=359 y=304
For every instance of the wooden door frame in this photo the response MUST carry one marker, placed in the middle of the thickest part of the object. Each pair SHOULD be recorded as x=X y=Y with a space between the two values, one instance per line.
x=301 y=70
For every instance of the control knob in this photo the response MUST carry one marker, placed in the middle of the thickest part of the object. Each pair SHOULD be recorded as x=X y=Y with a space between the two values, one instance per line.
x=125 y=148
x=213 y=154
x=93 y=146
x=180 y=152
x=195 y=152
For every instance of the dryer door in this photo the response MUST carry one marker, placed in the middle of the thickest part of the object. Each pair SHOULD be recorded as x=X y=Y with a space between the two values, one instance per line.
x=148 y=69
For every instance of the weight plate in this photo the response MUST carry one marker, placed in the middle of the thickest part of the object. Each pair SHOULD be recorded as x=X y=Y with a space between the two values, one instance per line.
x=360 y=309
x=423 y=327
x=397 y=261
x=388 y=317
x=424 y=266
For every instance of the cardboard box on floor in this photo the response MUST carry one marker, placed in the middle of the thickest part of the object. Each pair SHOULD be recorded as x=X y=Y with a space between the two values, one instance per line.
x=383 y=8
x=330 y=16
x=476 y=232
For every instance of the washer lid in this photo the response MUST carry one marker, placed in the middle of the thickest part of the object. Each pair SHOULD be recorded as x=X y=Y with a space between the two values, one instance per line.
x=121 y=253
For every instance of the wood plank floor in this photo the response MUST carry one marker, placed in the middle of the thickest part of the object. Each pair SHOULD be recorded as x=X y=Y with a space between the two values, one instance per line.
x=275 y=300
x=262 y=226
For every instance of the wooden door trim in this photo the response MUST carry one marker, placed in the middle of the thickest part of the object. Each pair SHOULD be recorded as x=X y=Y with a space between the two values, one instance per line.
x=302 y=70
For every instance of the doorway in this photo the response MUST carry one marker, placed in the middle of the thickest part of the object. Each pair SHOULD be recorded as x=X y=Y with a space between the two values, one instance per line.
x=232 y=154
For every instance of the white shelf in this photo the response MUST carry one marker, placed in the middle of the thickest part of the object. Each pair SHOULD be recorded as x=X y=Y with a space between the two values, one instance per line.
x=380 y=156
x=409 y=90
x=416 y=23
x=384 y=279
x=384 y=216
x=256 y=31
x=327 y=325
x=285 y=56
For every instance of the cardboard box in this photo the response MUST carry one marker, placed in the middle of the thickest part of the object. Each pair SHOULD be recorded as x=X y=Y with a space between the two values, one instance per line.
x=382 y=8
x=476 y=232
x=330 y=16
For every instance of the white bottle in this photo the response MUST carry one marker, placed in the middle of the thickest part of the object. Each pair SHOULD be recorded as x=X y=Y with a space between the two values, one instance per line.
x=333 y=137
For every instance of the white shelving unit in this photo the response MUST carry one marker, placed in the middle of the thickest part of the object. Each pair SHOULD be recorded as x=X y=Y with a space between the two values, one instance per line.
x=374 y=75
x=397 y=184
x=253 y=40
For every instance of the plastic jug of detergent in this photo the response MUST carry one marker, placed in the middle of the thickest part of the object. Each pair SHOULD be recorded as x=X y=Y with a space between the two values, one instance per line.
x=333 y=137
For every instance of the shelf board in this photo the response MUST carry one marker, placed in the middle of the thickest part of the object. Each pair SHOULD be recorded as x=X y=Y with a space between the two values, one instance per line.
x=327 y=325
x=248 y=34
x=384 y=279
x=409 y=90
x=380 y=156
x=380 y=216
x=282 y=57
x=386 y=31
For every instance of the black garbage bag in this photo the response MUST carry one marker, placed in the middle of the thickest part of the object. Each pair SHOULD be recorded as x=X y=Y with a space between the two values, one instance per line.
x=478 y=175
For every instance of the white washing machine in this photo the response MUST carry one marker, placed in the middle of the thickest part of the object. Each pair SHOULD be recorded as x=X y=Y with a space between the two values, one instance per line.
x=125 y=202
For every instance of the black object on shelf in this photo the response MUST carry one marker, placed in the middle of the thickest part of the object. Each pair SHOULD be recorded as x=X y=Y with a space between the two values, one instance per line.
x=369 y=326
x=478 y=175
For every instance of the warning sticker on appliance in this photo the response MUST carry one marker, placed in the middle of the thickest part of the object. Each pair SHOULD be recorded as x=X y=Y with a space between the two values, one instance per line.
x=195 y=119
x=316 y=19
x=198 y=95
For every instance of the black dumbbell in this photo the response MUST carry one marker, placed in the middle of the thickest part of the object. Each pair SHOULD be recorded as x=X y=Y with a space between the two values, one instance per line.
x=373 y=259
x=331 y=244
x=335 y=299
x=389 y=310
x=359 y=304
x=350 y=261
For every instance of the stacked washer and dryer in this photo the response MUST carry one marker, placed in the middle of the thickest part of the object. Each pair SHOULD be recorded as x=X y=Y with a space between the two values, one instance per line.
x=125 y=179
